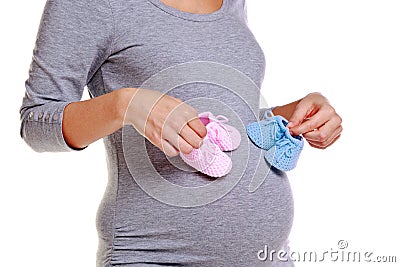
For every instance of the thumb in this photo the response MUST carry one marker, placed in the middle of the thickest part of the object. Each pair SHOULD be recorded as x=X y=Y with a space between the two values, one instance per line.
x=300 y=112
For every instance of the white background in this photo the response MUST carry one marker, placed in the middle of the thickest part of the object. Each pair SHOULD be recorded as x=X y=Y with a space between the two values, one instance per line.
x=348 y=50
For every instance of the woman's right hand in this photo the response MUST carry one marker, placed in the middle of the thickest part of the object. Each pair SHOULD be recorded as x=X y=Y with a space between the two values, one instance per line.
x=167 y=122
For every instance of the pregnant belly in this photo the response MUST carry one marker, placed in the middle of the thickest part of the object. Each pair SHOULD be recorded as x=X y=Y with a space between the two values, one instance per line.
x=135 y=226
x=227 y=232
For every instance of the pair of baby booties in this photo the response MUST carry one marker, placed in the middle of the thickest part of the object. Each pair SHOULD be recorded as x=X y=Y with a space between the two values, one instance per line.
x=282 y=150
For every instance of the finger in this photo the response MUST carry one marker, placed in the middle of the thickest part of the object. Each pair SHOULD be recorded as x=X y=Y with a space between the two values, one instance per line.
x=319 y=146
x=198 y=127
x=190 y=136
x=323 y=145
x=192 y=120
x=309 y=125
x=178 y=127
x=176 y=131
x=155 y=138
x=314 y=122
x=325 y=132
x=302 y=110
x=183 y=115
x=168 y=149
x=328 y=140
x=176 y=140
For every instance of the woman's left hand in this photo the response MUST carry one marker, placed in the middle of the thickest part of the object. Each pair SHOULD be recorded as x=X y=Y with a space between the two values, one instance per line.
x=316 y=120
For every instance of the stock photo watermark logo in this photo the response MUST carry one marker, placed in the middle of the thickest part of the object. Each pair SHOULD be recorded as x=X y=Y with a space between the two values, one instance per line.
x=201 y=72
x=341 y=253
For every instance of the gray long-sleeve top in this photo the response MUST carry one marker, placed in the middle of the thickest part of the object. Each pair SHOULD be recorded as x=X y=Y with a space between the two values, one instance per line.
x=110 y=44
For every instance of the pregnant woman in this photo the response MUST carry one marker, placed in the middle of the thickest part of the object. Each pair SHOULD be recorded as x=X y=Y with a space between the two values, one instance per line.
x=113 y=47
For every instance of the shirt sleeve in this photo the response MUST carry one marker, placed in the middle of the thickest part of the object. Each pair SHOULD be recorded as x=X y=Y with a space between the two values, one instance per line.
x=73 y=40
x=245 y=11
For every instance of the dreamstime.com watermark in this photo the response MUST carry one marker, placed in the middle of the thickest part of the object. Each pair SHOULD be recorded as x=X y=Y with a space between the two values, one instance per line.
x=341 y=254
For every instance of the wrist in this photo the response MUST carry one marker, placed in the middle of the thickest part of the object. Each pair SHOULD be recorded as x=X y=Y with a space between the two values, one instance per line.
x=285 y=111
x=121 y=104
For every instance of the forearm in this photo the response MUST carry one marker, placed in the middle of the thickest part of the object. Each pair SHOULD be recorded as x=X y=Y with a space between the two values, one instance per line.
x=87 y=121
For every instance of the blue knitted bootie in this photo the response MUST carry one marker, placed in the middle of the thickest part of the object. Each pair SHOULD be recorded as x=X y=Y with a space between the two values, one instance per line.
x=286 y=152
x=271 y=134
x=263 y=133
